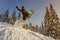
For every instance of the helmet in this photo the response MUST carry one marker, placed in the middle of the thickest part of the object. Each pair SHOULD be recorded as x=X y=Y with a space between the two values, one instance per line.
x=22 y=6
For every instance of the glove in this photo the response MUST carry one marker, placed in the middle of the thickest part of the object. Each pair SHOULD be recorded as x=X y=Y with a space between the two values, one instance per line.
x=16 y=6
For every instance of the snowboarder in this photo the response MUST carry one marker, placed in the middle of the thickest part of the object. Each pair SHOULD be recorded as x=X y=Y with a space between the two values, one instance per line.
x=25 y=13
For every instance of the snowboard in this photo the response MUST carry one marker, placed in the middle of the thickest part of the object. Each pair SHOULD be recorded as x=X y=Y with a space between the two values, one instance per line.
x=30 y=14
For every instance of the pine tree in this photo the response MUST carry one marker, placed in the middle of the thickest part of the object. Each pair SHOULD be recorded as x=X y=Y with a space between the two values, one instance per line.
x=19 y=16
x=0 y=17
x=13 y=17
x=42 y=28
x=6 y=15
x=46 y=17
x=46 y=21
x=9 y=19
x=36 y=28
x=30 y=25
x=52 y=25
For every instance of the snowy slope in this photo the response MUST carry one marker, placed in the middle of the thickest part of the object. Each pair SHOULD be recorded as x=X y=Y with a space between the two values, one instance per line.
x=11 y=32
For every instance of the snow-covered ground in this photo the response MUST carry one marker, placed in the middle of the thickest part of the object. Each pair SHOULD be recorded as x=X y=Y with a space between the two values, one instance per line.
x=16 y=32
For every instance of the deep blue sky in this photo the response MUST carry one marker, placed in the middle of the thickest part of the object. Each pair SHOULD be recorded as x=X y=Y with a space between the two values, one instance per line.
x=37 y=5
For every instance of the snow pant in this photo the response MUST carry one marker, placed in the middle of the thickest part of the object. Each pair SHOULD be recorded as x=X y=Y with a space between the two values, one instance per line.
x=25 y=16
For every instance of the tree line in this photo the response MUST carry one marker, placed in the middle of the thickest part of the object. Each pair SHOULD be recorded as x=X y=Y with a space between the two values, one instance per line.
x=12 y=19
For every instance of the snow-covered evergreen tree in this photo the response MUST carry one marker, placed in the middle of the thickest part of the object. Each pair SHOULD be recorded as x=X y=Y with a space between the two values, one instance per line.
x=5 y=18
x=52 y=24
x=46 y=21
x=13 y=17
x=19 y=16
x=37 y=28
x=0 y=15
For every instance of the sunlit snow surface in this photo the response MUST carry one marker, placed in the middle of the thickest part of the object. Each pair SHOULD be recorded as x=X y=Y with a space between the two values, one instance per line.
x=16 y=32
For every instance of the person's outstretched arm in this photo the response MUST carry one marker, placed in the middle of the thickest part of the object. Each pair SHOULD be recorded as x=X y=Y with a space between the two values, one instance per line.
x=18 y=8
